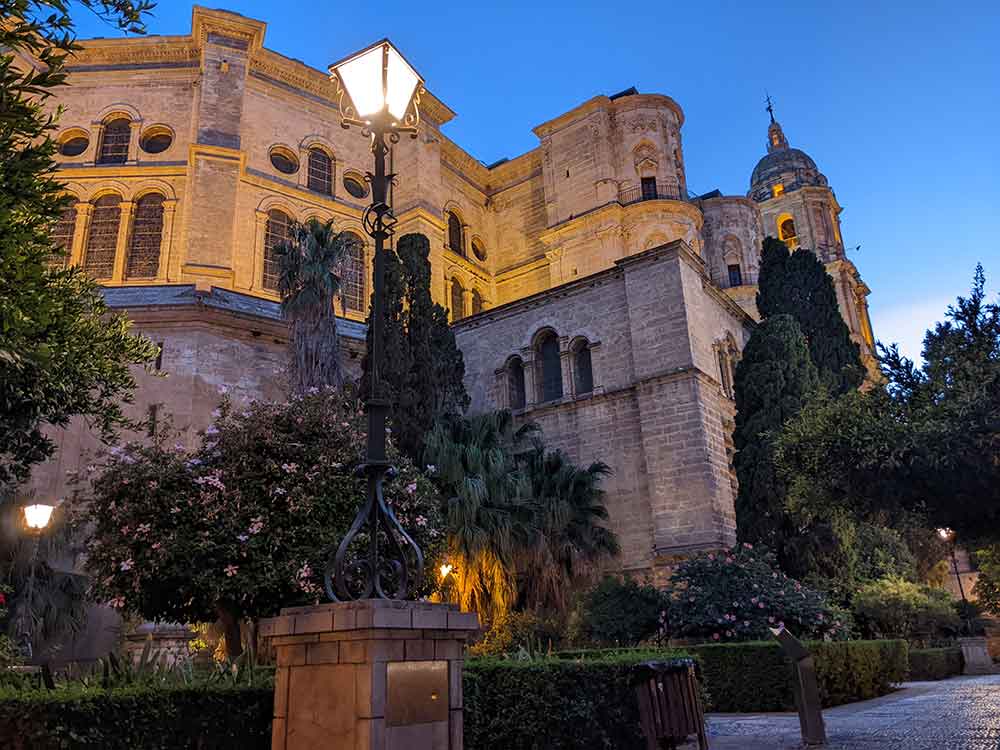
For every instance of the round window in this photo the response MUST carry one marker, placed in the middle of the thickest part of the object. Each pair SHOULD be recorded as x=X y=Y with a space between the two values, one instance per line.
x=355 y=187
x=284 y=162
x=156 y=143
x=74 y=146
x=478 y=250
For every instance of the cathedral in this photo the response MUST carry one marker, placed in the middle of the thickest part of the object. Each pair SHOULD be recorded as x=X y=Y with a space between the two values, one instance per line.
x=590 y=292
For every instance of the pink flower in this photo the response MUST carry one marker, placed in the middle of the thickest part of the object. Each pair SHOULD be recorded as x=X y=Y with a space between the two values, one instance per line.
x=715 y=636
x=126 y=565
x=770 y=620
x=747 y=545
x=711 y=556
x=411 y=488
x=231 y=570
x=760 y=605
x=117 y=603
x=156 y=546
x=290 y=468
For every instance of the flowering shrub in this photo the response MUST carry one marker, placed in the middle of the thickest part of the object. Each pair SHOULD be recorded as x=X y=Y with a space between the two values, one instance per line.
x=738 y=594
x=7 y=649
x=244 y=524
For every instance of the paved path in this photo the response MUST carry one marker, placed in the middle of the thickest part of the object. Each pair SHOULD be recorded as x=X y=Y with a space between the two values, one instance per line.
x=962 y=713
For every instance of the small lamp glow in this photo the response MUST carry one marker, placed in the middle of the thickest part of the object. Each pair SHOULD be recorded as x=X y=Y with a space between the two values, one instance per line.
x=379 y=82
x=945 y=534
x=445 y=570
x=37 y=516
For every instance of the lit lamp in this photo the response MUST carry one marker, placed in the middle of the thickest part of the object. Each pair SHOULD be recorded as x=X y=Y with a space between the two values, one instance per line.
x=37 y=516
x=948 y=535
x=378 y=92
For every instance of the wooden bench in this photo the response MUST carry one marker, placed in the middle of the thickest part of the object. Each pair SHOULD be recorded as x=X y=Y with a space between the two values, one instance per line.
x=670 y=707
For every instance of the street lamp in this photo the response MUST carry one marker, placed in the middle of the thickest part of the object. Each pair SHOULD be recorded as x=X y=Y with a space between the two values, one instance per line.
x=379 y=92
x=36 y=518
x=948 y=535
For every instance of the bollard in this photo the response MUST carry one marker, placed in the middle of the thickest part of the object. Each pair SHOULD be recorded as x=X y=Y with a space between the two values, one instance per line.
x=806 y=688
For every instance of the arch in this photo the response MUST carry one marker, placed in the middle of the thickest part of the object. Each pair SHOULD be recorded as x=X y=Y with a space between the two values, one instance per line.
x=456 y=233
x=319 y=170
x=277 y=231
x=516 y=395
x=147 y=187
x=143 y=257
x=583 y=372
x=549 y=366
x=352 y=274
x=787 y=232
x=281 y=203
x=477 y=301
x=116 y=139
x=457 y=298
x=119 y=109
x=118 y=189
x=102 y=236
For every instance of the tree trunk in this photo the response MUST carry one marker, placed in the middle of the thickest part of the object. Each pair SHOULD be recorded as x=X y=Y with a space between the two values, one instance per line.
x=231 y=631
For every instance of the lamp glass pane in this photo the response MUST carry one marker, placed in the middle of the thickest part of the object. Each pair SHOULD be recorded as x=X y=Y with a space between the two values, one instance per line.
x=37 y=516
x=401 y=82
x=362 y=77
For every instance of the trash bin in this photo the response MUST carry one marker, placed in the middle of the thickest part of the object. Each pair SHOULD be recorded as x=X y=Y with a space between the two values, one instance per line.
x=670 y=707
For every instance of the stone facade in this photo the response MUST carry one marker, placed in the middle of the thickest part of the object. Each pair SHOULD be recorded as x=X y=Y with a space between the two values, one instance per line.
x=590 y=291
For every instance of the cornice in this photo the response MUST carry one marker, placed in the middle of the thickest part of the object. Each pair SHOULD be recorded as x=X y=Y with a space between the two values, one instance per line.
x=617 y=212
x=512 y=272
x=597 y=103
x=729 y=199
x=135 y=51
x=205 y=21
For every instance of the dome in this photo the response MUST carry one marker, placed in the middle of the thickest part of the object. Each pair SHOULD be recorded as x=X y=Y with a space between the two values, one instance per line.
x=784 y=161
x=791 y=168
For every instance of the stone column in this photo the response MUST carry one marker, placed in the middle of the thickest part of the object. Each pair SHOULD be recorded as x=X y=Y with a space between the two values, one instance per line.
x=466 y=303
x=135 y=129
x=166 y=237
x=369 y=675
x=83 y=211
x=124 y=228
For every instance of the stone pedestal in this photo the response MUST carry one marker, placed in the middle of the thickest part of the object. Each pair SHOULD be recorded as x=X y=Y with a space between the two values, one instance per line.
x=369 y=675
x=976 y=653
x=170 y=641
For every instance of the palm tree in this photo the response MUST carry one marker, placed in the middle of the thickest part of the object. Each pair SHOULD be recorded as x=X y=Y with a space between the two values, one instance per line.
x=571 y=538
x=488 y=509
x=308 y=282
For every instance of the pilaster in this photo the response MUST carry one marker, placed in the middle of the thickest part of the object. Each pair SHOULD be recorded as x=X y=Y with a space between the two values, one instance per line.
x=124 y=225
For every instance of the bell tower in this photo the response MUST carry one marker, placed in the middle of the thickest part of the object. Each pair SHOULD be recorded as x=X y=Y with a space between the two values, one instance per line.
x=798 y=206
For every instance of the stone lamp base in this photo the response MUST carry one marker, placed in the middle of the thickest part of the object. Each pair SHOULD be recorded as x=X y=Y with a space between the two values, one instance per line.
x=369 y=675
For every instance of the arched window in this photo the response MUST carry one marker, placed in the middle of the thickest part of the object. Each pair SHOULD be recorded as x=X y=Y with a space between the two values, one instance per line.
x=62 y=236
x=278 y=232
x=457 y=300
x=786 y=230
x=115 y=141
x=515 y=383
x=456 y=242
x=143 y=260
x=352 y=275
x=320 y=171
x=583 y=374
x=477 y=302
x=549 y=368
x=735 y=274
x=102 y=239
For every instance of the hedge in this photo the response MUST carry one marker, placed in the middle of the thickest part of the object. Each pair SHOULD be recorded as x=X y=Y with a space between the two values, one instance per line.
x=755 y=677
x=139 y=718
x=553 y=704
x=935 y=663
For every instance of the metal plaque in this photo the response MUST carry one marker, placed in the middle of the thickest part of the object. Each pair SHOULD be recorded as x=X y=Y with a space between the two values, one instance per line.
x=416 y=692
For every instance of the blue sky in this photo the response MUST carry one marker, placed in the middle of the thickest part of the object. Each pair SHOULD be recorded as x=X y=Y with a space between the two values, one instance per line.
x=898 y=103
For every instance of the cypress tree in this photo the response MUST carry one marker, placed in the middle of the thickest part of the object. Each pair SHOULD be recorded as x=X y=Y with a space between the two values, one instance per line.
x=423 y=368
x=798 y=285
x=774 y=379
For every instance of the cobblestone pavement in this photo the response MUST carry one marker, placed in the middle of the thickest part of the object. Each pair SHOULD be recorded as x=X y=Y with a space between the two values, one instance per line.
x=962 y=713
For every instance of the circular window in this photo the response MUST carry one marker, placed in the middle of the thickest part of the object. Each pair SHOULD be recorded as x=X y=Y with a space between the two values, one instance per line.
x=355 y=186
x=283 y=161
x=74 y=146
x=478 y=250
x=156 y=142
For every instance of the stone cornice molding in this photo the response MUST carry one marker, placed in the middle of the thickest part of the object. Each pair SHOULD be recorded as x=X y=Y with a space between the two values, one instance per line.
x=617 y=106
x=225 y=23
x=135 y=51
x=724 y=200
x=615 y=211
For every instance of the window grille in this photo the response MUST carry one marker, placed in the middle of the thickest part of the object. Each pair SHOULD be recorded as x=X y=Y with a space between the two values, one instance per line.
x=114 y=142
x=352 y=276
x=144 y=243
x=102 y=238
x=457 y=300
x=320 y=172
x=278 y=232
x=62 y=236
x=455 y=239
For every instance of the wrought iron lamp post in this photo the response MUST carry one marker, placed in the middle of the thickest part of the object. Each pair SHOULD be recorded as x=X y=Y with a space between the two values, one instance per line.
x=36 y=518
x=379 y=92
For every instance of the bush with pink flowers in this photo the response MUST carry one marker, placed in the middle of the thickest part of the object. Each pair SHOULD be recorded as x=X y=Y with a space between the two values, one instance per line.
x=738 y=594
x=244 y=524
